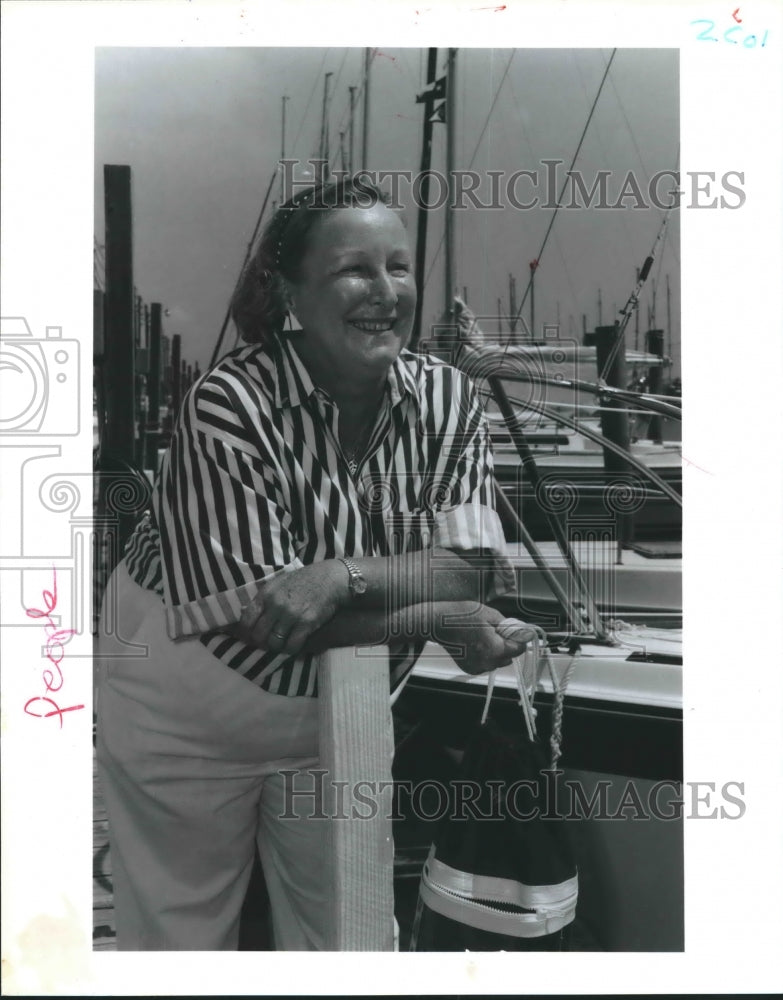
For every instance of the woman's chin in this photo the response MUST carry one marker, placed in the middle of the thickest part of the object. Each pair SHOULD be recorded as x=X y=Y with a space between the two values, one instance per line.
x=380 y=348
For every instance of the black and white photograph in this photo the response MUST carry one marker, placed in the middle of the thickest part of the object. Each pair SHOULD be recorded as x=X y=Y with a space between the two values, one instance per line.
x=543 y=437
x=390 y=563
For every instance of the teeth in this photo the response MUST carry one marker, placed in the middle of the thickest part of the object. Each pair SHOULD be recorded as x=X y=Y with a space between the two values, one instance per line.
x=376 y=326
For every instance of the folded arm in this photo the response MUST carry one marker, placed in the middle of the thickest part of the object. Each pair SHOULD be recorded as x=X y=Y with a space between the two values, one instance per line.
x=465 y=628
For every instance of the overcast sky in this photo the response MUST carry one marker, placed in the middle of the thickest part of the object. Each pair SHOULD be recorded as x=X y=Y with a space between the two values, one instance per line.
x=201 y=130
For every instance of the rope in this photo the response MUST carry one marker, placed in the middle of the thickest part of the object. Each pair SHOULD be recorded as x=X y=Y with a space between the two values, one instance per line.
x=528 y=667
x=559 y=688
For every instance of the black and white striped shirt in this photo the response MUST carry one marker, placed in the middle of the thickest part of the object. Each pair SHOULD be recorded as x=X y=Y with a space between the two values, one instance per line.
x=255 y=483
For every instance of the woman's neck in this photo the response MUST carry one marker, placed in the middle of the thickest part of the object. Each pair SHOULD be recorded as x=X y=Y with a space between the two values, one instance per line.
x=352 y=395
x=355 y=393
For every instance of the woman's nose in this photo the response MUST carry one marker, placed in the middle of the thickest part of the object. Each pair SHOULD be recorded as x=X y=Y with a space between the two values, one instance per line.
x=383 y=290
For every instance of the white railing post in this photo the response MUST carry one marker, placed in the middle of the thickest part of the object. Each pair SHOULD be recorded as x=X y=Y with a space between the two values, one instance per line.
x=356 y=747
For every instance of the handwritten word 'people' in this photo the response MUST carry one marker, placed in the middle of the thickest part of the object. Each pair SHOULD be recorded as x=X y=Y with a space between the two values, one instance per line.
x=42 y=706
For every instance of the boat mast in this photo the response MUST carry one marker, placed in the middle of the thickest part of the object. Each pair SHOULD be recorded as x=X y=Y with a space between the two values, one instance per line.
x=425 y=98
x=366 y=112
x=512 y=305
x=451 y=102
x=636 y=328
x=282 y=152
x=668 y=318
x=324 y=151
x=352 y=92
x=533 y=269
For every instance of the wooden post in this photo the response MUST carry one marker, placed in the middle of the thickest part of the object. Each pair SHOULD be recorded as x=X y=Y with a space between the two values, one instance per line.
x=97 y=324
x=176 y=376
x=356 y=746
x=119 y=348
x=137 y=304
x=609 y=343
x=654 y=382
x=98 y=364
x=610 y=360
x=153 y=389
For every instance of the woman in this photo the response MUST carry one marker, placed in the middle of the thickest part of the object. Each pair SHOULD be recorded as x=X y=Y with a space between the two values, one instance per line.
x=323 y=488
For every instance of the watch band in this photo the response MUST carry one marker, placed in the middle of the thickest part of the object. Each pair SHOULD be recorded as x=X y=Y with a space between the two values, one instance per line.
x=357 y=584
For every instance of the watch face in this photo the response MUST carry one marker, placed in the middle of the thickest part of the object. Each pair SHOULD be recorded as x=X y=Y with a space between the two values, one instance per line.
x=359 y=585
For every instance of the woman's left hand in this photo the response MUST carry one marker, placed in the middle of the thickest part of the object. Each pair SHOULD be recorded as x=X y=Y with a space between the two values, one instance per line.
x=296 y=604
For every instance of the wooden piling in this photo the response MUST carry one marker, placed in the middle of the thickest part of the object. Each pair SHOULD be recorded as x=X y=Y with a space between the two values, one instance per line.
x=176 y=375
x=610 y=361
x=119 y=316
x=153 y=389
x=654 y=382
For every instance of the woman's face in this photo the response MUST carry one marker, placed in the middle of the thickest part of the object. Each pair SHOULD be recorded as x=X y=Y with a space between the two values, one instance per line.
x=355 y=295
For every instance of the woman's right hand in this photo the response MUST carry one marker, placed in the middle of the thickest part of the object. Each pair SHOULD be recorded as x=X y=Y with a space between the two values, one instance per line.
x=467 y=630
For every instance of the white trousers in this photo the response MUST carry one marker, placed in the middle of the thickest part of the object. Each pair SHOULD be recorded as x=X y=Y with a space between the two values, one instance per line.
x=189 y=756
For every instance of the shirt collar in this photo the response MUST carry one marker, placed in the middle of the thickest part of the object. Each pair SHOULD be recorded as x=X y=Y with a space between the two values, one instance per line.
x=292 y=380
x=293 y=384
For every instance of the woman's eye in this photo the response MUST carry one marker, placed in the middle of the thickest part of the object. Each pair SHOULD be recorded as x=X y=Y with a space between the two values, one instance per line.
x=400 y=267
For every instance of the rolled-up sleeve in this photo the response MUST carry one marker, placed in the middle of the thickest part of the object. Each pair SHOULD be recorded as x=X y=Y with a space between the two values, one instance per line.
x=223 y=522
x=464 y=518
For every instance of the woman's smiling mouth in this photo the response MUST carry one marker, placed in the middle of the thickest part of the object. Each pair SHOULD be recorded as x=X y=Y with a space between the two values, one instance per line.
x=373 y=325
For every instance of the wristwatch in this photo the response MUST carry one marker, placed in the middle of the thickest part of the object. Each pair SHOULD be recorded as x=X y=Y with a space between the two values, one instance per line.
x=357 y=585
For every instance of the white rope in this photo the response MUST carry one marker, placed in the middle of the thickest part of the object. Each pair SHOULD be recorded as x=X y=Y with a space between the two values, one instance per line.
x=490 y=689
x=528 y=668
x=559 y=690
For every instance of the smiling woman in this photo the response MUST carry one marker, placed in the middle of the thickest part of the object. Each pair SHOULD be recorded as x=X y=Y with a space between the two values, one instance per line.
x=324 y=488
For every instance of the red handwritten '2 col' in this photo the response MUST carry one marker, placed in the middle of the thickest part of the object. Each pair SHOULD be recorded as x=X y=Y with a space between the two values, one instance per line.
x=42 y=706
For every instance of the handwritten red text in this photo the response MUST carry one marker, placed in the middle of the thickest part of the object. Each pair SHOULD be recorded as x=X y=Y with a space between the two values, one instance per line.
x=42 y=706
